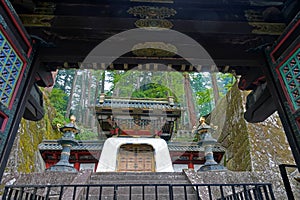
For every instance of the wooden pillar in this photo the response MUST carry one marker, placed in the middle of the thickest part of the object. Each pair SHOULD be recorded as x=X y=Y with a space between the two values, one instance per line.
x=96 y=165
x=191 y=164
x=47 y=164
x=77 y=163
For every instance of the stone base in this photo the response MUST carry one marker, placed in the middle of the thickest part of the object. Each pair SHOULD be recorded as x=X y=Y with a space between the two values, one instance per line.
x=62 y=168
x=214 y=167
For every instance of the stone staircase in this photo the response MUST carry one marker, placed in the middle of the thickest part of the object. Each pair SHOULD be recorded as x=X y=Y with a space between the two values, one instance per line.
x=137 y=192
x=120 y=186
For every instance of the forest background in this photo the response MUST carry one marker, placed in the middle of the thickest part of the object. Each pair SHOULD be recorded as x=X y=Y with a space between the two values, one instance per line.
x=76 y=92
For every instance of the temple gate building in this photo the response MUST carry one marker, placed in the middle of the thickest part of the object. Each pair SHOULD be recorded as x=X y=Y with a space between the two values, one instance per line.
x=137 y=139
x=256 y=40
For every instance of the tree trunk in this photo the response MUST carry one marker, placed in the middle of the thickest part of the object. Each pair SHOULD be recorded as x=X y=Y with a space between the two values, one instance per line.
x=88 y=101
x=215 y=87
x=82 y=98
x=71 y=95
x=97 y=89
x=189 y=100
x=66 y=82
x=117 y=90
x=103 y=82
x=95 y=102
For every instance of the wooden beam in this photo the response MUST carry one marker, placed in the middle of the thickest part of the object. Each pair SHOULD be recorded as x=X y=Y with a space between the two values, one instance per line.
x=222 y=54
x=111 y=24
x=231 y=10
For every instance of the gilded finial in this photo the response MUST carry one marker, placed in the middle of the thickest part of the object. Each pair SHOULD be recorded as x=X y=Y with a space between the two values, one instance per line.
x=203 y=127
x=201 y=120
x=72 y=119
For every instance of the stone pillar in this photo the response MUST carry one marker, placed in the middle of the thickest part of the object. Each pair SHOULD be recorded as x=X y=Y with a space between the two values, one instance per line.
x=67 y=141
x=207 y=141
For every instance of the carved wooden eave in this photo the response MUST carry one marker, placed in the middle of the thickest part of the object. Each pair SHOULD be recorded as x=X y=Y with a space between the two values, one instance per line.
x=234 y=33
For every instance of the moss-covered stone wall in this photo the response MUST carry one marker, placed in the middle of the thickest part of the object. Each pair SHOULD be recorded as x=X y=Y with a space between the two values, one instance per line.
x=25 y=157
x=232 y=131
x=31 y=135
x=249 y=146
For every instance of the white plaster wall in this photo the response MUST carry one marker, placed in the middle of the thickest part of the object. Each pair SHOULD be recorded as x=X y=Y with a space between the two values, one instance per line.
x=108 y=158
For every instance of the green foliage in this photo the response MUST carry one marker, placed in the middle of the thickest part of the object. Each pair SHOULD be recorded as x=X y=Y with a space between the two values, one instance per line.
x=59 y=101
x=206 y=96
x=225 y=82
x=144 y=84
x=152 y=90
x=58 y=120
x=204 y=101
x=86 y=134
x=202 y=86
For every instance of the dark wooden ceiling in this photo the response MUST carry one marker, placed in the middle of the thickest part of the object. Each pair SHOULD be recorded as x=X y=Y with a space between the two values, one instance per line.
x=234 y=32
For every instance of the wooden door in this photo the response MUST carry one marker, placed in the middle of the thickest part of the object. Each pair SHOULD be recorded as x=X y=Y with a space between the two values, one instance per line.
x=135 y=158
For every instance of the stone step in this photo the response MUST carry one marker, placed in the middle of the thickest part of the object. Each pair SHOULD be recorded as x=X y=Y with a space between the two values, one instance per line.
x=141 y=173
x=149 y=190
x=159 y=174
x=136 y=192
x=139 y=181
x=146 y=197
x=104 y=177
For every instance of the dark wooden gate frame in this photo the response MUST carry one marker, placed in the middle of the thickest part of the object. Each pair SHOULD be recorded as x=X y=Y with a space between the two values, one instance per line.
x=287 y=115
x=13 y=29
x=17 y=118
x=291 y=131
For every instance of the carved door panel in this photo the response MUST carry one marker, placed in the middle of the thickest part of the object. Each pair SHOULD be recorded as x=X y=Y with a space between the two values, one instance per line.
x=135 y=158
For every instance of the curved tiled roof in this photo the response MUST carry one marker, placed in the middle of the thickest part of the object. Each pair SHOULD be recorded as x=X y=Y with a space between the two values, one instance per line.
x=97 y=146
x=137 y=103
x=89 y=145
x=192 y=146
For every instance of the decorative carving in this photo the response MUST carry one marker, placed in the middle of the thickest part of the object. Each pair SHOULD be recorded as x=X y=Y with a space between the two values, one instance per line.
x=289 y=73
x=36 y=20
x=154 y=49
x=253 y=16
x=152 y=12
x=45 y=8
x=152 y=16
x=11 y=66
x=267 y=28
x=158 y=23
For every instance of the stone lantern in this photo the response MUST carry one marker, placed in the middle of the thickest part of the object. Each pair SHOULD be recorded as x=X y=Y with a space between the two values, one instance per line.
x=208 y=142
x=67 y=141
